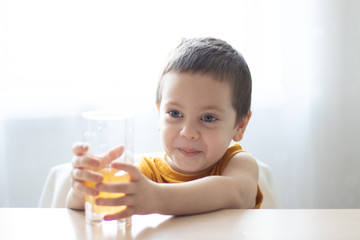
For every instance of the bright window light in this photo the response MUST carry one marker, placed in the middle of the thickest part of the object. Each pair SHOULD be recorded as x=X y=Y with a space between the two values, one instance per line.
x=58 y=55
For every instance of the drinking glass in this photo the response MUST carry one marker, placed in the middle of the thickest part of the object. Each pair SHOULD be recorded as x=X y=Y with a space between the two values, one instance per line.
x=104 y=131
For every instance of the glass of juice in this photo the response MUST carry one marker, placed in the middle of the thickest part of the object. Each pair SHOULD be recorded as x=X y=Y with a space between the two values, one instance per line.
x=104 y=131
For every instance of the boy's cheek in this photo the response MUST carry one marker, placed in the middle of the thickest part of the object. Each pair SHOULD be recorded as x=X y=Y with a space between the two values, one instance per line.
x=167 y=133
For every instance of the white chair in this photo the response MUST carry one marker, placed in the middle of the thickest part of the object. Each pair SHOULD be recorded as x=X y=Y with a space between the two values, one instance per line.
x=58 y=184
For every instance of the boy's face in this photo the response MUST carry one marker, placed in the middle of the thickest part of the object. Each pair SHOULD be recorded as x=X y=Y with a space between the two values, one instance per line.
x=197 y=121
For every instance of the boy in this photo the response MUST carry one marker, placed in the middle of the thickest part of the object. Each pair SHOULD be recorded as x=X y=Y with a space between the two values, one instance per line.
x=203 y=99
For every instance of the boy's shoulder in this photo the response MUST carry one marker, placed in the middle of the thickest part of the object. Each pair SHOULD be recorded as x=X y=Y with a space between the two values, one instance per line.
x=242 y=161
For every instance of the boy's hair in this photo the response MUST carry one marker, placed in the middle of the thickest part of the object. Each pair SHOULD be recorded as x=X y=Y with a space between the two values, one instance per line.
x=215 y=57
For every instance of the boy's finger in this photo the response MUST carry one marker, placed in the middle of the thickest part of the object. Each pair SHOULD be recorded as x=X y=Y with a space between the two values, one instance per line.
x=86 y=162
x=120 y=201
x=80 y=148
x=81 y=189
x=113 y=154
x=132 y=170
x=85 y=175
x=127 y=212
x=124 y=187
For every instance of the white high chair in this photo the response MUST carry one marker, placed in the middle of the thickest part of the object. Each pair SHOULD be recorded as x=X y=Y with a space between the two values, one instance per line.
x=58 y=184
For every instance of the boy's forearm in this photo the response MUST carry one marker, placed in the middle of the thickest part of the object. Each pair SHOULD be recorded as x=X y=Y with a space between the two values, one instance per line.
x=199 y=196
x=202 y=195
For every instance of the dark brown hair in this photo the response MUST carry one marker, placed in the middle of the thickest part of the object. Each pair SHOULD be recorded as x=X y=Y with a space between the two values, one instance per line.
x=216 y=57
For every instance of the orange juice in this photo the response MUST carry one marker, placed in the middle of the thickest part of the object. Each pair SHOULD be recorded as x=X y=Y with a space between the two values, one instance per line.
x=110 y=175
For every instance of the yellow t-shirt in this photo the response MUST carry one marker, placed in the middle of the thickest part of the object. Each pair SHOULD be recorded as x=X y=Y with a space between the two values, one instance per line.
x=158 y=170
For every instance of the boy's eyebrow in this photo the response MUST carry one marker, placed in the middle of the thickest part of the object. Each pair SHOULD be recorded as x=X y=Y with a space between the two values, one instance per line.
x=213 y=107
x=172 y=103
x=205 y=108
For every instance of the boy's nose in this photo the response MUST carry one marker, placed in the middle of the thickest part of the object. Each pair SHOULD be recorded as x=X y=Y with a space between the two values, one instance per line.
x=189 y=131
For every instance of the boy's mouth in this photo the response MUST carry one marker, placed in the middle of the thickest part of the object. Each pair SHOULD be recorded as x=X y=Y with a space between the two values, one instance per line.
x=188 y=152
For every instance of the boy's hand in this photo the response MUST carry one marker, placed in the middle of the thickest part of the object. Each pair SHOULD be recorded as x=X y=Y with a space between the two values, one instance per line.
x=140 y=193
x=84 y=165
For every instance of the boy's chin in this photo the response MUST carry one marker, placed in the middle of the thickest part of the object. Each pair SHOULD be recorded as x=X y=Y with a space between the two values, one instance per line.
x=178 y=165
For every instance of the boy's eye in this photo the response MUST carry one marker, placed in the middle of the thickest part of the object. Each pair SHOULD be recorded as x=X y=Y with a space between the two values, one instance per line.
x=175 y=113
x=208 y=118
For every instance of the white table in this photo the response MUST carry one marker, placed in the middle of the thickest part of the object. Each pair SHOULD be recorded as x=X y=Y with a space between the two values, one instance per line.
x=61 y=223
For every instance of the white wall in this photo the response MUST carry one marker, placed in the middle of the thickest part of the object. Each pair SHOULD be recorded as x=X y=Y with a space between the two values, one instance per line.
x=311 y=139
x=334 y=61
x=304 y=57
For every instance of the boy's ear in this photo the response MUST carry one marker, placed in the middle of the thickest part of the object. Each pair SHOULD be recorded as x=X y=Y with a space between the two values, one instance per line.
x=241 y=127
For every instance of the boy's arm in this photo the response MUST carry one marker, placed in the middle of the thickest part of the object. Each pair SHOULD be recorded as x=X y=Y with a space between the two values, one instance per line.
x=236 y=188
